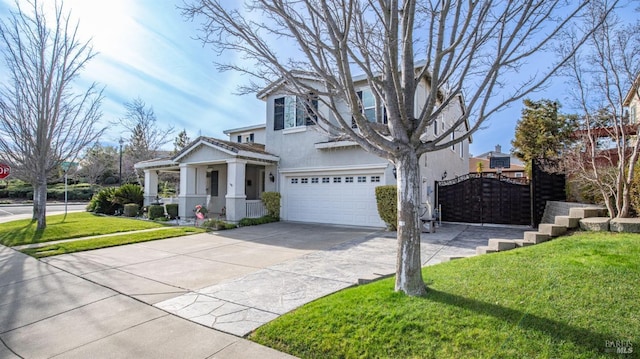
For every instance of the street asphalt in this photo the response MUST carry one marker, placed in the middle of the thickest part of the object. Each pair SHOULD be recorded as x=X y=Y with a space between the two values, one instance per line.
x=195 y=296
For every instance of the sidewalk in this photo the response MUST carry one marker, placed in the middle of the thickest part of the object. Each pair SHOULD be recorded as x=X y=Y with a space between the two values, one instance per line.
x=46 y=312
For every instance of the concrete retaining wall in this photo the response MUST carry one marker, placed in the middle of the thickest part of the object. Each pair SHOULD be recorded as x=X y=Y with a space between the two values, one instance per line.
x=555 y=208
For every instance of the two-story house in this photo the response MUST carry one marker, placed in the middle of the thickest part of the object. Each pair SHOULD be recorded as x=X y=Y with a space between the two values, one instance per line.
x=322 y=177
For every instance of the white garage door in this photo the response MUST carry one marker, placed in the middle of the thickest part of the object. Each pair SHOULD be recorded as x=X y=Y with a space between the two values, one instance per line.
x=332 y=198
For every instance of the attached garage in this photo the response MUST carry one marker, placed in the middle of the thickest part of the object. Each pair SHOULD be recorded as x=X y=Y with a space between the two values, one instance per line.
x=332 y=197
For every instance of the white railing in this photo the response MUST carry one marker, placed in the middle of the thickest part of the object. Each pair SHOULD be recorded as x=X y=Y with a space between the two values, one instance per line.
x=255 y=209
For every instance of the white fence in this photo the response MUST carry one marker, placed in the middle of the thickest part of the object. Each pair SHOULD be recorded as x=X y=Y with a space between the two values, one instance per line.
x=255 y=209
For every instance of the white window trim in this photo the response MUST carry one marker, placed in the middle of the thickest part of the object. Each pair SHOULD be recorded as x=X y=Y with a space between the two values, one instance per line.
x=290 y=130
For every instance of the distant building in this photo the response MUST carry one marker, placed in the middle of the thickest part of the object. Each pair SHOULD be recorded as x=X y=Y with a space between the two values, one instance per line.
x=515 y=169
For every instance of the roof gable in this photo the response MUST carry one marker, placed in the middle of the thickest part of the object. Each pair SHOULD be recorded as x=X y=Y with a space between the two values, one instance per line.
x=232 y=149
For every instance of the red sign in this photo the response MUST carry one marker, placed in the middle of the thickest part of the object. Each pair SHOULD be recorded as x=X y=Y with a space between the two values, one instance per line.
x=5 y=170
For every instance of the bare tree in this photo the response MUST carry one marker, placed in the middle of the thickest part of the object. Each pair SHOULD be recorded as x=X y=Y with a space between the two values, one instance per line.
x=606 y=73
x=44 y=120
x=146 y=138
x=454 y=47
x=99 y=163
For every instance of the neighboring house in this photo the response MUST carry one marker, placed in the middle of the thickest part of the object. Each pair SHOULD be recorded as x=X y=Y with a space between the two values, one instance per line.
x=515 y=170
x=322 y=178
x=608 y=151
x=632 y=102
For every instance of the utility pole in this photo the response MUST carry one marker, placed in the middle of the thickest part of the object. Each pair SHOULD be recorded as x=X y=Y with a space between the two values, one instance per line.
x=121 y=141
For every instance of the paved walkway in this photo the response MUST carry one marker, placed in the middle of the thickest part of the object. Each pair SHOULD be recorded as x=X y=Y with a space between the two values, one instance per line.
x=92 y=303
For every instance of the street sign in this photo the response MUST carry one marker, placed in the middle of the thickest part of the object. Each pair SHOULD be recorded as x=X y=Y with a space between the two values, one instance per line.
x=5 y=171
x=67 y=165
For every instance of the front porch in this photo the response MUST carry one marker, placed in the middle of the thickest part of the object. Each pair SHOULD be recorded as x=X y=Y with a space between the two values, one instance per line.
x=226 y=178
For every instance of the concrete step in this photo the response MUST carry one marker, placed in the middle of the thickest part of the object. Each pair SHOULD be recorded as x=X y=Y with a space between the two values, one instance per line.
x=627 y=225
x=598 y=224
x=522 y=243
x=485 y=250
x=501 y=244
x=585 y=212
x=566 y=221
x=536 y=237
x=552 y=230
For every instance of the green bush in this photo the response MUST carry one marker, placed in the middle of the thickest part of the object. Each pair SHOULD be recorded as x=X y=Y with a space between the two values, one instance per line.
x=156 y=211
x=22 y=190
x=129 y=193
x=271 y=200
x=256 y=221
x=218 y=224
x=101 y=202
x=387 y=200
x=172 y=210
x=131 y=209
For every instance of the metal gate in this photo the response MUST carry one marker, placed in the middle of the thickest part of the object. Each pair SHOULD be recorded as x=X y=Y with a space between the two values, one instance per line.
x=485 y=198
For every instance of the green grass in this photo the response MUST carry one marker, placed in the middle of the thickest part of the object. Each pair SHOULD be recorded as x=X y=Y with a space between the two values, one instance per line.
x=75 y=225
x=111 y=241
x=566 y=298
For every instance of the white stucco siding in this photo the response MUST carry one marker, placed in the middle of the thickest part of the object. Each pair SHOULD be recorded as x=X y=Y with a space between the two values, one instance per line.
x=259 y=135
x=205 y=154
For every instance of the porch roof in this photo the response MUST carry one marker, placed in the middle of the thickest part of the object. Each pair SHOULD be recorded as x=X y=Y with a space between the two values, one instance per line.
x=250 y=151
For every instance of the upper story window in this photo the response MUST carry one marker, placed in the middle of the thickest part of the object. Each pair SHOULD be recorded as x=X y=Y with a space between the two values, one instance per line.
x=369 y=108
x=368 y=105
x=292 y=111
x=247 y=138
x=632 y=114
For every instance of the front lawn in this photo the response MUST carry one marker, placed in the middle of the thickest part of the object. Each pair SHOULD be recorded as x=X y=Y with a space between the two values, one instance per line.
x=103 y=242
x=574 y=297
x=76 y=225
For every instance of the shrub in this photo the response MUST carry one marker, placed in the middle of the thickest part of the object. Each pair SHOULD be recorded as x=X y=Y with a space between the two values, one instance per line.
x=271 y=200
x=101 y=202
x=156 y=211
x=256 y=221
x=129 y=193
x=387 y=200
x=217 y=224
x=131 y=209
x=172 y=210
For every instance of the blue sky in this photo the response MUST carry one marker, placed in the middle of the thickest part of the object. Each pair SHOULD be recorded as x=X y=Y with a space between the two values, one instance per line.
x=146 y=49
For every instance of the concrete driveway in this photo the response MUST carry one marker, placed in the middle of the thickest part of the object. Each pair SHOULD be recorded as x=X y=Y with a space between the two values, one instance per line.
x=92 y=304
x=235 y=281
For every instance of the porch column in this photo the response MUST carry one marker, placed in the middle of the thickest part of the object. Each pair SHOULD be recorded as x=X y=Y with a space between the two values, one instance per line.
x=236 y=197
x=193 y=189
x=150 y=186
x=187 y=187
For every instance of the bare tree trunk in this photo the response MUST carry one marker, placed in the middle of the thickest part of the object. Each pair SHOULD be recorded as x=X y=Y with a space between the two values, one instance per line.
x=409 y=266
x=40 y=202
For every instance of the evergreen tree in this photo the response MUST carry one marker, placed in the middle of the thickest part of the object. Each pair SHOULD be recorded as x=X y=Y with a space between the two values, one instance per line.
x=181 y=141
x=542 y=133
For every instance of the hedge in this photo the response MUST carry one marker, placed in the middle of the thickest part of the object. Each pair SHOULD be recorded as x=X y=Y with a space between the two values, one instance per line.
x=156 y=211
x=256 y=221
x=387 y=200
x=271 y=201
x=131 y=209
x=172 y=210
